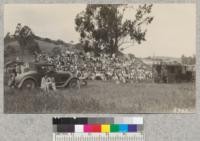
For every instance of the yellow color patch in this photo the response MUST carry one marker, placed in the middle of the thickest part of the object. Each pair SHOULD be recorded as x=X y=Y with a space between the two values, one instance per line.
x=105 y=128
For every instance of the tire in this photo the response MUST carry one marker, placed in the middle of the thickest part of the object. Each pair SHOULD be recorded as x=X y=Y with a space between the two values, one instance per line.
x=28 y=84
x=74 y=83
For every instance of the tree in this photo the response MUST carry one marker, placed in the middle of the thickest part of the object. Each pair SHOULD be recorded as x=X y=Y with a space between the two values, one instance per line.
x=9 y=50
x=26 y=39
x=7 y=37
x=104 y=27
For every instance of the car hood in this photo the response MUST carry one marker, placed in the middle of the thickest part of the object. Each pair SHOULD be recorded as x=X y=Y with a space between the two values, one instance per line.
x=20 y=76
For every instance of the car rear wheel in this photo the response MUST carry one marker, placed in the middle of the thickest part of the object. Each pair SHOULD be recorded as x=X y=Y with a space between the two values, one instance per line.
x=74 y=83
x=29 y=84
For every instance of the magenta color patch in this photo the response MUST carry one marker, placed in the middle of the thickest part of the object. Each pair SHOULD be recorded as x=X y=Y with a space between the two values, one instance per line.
x=87 y=128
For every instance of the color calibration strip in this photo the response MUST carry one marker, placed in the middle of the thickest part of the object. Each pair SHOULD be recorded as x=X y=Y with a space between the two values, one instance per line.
x=101 y=129
x=100 y=125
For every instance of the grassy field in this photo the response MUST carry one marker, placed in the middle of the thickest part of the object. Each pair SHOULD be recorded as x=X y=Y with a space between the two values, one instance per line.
x=105 y=97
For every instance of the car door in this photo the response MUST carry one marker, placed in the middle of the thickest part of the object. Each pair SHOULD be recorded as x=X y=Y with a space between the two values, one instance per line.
x=57 y=78
x=61 y=78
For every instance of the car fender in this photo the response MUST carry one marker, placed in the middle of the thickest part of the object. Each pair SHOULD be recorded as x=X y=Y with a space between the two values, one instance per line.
x=68 y=80
x=26 y=78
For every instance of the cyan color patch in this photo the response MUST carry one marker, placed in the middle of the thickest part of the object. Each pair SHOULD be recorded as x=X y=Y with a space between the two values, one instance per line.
x=123 y=128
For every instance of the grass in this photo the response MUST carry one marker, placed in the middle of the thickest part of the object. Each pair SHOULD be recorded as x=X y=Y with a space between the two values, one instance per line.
x=104 y=97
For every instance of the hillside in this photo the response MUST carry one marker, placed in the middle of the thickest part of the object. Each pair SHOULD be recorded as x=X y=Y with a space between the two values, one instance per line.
x=12 y=48
x=46 y=45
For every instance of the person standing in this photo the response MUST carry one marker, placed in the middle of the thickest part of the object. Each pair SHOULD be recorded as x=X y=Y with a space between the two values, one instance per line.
x=44 y=84
x=52 y=83
x=11 y=81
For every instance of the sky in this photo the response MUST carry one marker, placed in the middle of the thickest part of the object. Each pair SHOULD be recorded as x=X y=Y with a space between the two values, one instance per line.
x=172 y=32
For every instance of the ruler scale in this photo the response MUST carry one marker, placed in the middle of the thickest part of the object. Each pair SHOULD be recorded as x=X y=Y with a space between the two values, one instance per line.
x=98 y=129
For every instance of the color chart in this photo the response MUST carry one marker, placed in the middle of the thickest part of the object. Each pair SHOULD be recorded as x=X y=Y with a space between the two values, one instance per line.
x=98 y=129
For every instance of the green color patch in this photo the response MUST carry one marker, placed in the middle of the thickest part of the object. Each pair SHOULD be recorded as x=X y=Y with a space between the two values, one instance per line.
x=114 y=128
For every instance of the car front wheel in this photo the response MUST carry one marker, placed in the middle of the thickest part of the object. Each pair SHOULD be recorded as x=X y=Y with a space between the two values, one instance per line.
x=28 y=84
x=74 y=83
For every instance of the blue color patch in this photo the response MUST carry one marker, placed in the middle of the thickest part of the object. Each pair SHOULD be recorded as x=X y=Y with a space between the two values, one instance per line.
x=132 y=128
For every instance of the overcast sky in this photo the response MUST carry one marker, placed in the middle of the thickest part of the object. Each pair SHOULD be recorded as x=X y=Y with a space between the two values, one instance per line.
x=172 y=32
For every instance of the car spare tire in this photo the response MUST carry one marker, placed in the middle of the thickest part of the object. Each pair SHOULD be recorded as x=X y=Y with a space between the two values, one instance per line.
x=74 y=83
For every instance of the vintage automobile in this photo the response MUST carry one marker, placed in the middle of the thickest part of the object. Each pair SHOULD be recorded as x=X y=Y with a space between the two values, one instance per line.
x=31 y=78
x=173 y=73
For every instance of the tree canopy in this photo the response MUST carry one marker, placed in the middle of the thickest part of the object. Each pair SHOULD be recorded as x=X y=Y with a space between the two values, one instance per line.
x=26 y=39
x=104 y=28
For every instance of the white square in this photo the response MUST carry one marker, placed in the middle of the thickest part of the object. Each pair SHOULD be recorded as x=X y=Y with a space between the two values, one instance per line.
x=79 y=128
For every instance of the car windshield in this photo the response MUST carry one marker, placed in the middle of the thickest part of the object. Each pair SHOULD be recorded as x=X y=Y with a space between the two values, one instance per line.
x=45 y=68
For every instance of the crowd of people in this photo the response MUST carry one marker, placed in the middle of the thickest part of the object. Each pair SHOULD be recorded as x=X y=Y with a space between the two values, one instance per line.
x=121 y=69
